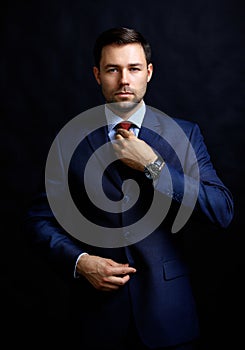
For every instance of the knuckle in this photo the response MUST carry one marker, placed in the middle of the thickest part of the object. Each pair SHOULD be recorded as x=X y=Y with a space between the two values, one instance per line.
x=107 y=271
x=124 y=280
x=102 y=284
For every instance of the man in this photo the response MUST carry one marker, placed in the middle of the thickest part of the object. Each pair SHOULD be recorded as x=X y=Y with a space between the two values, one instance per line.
x=128 y=268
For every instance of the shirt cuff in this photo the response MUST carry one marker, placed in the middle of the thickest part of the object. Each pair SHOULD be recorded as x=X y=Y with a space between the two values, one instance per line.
x=76 y=275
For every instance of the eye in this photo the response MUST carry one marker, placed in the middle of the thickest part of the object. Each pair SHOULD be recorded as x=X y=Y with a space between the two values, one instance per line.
x=134 y=69
x=112 y=70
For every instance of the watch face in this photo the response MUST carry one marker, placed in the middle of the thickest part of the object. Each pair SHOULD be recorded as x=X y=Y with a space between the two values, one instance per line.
x=152 y=171
x=154 y=168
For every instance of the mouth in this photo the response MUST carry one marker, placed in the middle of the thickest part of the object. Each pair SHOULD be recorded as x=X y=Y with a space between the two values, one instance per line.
x=123 y=93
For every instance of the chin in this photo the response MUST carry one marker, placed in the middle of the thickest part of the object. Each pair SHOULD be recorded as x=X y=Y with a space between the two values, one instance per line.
x=124 y=106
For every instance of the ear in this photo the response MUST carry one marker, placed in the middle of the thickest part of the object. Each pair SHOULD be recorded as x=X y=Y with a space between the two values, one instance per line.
x=96 y=72
x=149 y=72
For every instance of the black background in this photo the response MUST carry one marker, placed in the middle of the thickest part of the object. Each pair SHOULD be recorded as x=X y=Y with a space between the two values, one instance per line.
x=46 y=79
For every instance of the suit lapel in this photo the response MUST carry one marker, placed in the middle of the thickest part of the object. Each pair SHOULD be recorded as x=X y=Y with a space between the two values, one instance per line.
x=162 y=133
x=152 y=131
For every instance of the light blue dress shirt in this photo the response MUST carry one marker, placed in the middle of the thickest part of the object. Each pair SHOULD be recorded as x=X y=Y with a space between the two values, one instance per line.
x=113 y=120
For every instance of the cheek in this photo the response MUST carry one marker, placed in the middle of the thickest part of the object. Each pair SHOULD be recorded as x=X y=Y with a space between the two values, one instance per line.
x=142 y=80
x=108 y=83
x=107 y=89
x=141 y=83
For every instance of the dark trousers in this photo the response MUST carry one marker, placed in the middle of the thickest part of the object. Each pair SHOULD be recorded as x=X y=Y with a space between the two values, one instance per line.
x=95 y=339
x=133 y=342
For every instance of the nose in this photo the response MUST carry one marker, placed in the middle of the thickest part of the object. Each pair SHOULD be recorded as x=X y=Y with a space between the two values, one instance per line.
x=124 y=77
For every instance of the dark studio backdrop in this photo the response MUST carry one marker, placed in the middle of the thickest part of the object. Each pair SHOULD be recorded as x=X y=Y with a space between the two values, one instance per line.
x=46 y=79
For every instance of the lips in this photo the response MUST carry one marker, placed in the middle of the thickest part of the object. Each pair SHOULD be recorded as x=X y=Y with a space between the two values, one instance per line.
x=124 y=93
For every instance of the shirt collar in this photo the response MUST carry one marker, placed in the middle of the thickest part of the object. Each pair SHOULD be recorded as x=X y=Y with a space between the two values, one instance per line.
x=136 y=118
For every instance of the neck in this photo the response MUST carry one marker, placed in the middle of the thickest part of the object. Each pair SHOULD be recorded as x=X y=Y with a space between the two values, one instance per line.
x=124 y=109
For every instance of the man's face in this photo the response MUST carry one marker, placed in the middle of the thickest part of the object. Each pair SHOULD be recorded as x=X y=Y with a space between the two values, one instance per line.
x=123 y=74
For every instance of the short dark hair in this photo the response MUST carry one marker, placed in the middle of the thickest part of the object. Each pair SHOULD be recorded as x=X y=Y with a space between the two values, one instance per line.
x=120 y=36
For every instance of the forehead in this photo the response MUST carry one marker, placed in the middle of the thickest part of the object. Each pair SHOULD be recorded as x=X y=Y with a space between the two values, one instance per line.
x=122 y=54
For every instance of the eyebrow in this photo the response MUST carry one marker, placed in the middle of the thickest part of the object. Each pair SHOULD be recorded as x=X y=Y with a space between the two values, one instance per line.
x=110 y=65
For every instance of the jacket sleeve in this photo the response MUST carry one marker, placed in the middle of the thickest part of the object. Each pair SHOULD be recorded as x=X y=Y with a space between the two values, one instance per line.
x=197 y=186
x=49 y=238
x=44 y=231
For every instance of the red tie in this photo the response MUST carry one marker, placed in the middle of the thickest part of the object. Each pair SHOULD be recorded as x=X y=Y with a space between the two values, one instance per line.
x=124 y=125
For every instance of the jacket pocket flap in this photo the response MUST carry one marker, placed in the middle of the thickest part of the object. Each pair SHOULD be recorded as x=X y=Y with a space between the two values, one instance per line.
x=174 y=268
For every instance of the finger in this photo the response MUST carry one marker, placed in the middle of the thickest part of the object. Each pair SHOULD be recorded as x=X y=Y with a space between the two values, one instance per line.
x=122 y=270
x=124 y=133
x=112 y=283
x=117 y=271
x=118 y=281
x=114 y=263
x=119 y=137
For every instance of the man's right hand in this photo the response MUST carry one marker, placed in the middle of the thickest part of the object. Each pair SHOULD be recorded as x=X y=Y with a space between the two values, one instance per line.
x=104 y=274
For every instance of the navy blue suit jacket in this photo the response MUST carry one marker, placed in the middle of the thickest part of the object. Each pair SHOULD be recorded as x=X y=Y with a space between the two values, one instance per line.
x=159 y=294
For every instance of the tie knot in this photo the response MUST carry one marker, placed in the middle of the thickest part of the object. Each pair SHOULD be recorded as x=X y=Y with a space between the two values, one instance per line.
x=124 y=125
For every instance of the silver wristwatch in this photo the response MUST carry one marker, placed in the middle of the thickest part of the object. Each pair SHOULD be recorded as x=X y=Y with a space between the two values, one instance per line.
x=152 y=171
